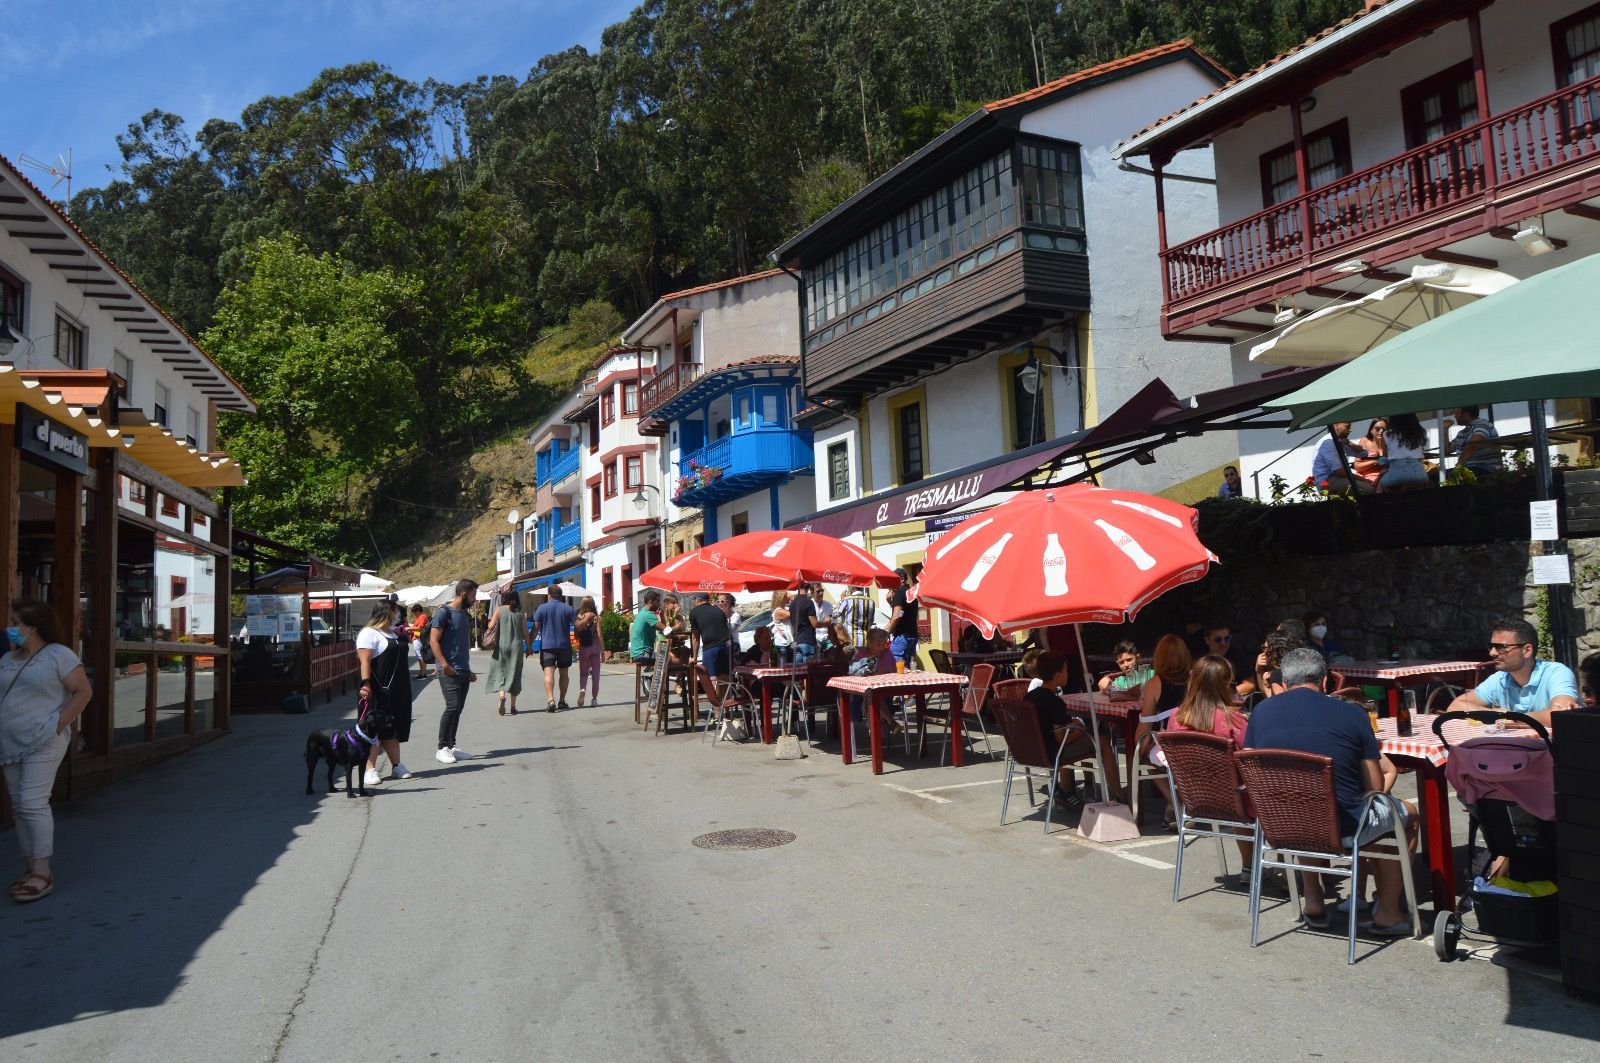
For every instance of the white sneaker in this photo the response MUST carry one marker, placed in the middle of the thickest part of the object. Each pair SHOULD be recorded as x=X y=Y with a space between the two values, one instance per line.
x=372 y=778
x=400 y=772
x=461 y=754
x=444 y=756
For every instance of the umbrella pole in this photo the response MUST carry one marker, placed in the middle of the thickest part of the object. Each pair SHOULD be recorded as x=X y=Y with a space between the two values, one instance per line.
x=1559 y=593
x=1094 y=717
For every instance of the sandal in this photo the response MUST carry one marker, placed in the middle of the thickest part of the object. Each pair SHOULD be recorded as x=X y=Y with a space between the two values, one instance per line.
x=502 y=708
x=23 y=893
x=512 y=711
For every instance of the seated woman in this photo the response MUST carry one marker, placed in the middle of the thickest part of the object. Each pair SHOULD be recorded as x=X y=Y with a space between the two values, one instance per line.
x=1052 y=673
x=760 y=651
x=1404 y=441
x=1371 y=467
x=1208 y=708
x=1317 y=637
x=1160 y=697
x=1288 y=635
x=874 y=659
x=1129 y=676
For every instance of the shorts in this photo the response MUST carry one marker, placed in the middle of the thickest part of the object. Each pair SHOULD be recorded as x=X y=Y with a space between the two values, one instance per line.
x=904 y=647
x=804 y=651
x=716 y=659
x=556 y=657
x=645 y=659
x=1380 y=821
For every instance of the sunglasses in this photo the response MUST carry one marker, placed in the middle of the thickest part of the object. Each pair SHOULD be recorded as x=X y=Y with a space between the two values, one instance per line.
x=1501 y=647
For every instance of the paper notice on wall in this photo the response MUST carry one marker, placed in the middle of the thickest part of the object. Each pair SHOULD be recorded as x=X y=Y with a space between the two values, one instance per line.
x=261 y=626
x=1542 y=519
x=1552 y=568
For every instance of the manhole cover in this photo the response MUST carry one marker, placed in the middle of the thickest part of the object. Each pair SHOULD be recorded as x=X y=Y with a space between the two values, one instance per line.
x=744 y=838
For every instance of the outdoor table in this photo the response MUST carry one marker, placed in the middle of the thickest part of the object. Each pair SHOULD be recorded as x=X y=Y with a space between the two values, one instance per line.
x=1000 y=659
x=874 y=688
x=1425 y=753
x=1391 y=673
x=786 y=677
x=1127 y=712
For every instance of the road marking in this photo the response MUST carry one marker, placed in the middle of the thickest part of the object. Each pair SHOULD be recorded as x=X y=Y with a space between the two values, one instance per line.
x=958 y=786
x=918 y=793
x=1119 y=850
x=1145 y=860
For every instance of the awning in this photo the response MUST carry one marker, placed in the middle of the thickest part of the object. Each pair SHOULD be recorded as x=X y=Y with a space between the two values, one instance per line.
x=1153 y=417
x=573 y=573
x=1532 y=341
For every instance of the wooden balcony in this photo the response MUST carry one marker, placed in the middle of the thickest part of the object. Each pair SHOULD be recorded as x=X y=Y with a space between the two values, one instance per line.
x=1544 y=155
x=662 y=386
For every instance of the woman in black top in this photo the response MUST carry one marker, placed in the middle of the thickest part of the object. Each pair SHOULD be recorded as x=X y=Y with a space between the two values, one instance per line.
x=1161 y=695
x=1051 y=670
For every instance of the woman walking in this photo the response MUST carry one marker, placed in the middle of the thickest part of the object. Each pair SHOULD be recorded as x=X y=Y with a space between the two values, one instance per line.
x=590 y=650
x=386 y=683
x=43 y=690
x=509 y=640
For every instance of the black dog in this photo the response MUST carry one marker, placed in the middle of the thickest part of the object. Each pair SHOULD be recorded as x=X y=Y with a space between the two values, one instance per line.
x=346 y=748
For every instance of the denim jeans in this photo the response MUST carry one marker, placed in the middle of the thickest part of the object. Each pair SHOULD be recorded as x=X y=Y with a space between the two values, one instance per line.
x=454 y=688
x=804 y=651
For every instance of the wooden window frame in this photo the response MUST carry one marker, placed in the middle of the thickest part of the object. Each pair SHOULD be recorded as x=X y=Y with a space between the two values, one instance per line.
x=916 y=396
x=1559 y=59
x=611 y=480
x=630 y=387
x=67 y=327
x=11 y=282
x=842 y=447
x=1008 y=365
x=629 y=482
x=594 y=500
x=1340 y=132
x=1412 y=95
x=608 y=407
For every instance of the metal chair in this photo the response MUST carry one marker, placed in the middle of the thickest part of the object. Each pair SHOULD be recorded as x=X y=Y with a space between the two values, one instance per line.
x=1298 y=821
x=941 y=661
x=1025 y=751
x=971 y=708
x=734 y=697
x=1208 y=792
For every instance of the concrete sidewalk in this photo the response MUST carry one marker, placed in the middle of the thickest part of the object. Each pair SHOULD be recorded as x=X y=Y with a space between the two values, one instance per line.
x=544 y=901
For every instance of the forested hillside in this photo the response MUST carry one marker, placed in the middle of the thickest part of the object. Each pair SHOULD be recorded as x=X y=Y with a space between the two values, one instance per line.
x=377 y=259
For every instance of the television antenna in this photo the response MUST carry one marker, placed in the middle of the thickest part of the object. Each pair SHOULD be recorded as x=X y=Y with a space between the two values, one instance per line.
x=60 y=170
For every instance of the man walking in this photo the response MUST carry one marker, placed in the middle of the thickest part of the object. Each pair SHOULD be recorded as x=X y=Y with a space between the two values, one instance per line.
x=552 y=624
x=450 y=636
x=709 y=624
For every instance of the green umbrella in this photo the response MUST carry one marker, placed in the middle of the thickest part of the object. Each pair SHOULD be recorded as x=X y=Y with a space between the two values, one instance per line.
x=1538 y=339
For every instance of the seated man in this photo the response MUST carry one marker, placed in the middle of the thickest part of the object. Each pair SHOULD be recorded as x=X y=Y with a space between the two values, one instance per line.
x=1219 y=643
x=1304 y=718
x=1051 y=673
x=1328 y=469
x=1522 y=683
x=1477 y=445
x=1130 y=675
x=646 y=624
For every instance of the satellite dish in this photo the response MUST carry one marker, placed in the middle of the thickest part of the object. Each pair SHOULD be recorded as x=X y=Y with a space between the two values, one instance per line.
x=514 y=517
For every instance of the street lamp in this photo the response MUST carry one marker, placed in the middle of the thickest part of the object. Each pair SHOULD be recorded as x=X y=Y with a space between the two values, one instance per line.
x=641 y=503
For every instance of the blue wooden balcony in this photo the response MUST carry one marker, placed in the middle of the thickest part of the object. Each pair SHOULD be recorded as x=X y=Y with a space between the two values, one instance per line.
x=735 y=465
x=567 y=537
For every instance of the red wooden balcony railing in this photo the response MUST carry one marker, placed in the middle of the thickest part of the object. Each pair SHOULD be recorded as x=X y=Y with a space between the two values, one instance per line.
x=665 y=384
x=1529 y=142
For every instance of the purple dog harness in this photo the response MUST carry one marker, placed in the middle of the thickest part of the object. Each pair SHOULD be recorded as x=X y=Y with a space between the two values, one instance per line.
x=350 y=737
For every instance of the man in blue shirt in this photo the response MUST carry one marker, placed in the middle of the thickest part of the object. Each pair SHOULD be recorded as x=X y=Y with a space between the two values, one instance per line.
x=1304 y=718
x=450 y=637
x=1327 y=469
x=552 y=624
x=1522 y=682
x=1232 y=485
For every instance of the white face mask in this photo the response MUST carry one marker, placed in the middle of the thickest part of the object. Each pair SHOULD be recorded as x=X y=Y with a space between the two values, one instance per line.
x=1319 y=631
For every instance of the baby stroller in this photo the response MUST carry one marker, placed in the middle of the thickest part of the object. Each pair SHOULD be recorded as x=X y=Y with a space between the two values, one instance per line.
x=1507 y=781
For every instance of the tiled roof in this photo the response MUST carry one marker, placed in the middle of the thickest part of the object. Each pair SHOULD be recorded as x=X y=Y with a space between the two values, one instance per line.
x=1366 y=12
x=12 y=173
x=729 y=283
x=612 y=352
x=1125 y=63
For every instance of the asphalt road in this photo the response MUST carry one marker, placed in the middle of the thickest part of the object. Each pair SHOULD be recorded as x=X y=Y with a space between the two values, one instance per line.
x=544 y=902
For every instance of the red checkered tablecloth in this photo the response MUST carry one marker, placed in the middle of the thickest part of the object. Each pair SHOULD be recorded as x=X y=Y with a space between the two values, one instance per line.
x=1101 y=705
x=862 y=684
x=1402 y=669
x=781 y=672
x=1423 y=745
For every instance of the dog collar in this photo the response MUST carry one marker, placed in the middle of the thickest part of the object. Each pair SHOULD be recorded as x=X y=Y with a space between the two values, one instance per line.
x=360 y=735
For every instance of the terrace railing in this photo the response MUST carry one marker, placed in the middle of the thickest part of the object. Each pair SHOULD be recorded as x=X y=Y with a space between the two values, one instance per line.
x=665 y=384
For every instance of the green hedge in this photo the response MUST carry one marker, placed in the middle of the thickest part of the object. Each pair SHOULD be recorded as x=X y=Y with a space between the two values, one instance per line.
x=614 y=626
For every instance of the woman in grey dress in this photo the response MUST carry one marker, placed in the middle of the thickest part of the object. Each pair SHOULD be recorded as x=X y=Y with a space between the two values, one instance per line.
x=510 y=646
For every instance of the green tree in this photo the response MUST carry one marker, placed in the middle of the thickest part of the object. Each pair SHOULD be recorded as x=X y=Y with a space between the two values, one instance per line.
x=314 y=341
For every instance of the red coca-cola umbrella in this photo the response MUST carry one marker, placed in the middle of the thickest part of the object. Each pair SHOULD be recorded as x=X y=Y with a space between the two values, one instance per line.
x=694 y=571
x=1062 y=555
x=802 y=557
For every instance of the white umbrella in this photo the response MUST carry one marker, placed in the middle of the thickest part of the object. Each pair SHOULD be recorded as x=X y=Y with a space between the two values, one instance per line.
x=420 y=594
x=573 y=590
x=372 y=583
x=1344 y=330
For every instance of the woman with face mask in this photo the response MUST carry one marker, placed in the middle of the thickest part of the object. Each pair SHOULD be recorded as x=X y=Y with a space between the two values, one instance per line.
x=43 y=690
x=1318 y=638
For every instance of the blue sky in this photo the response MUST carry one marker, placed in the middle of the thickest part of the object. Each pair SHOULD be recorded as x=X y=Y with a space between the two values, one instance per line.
x=84 y=71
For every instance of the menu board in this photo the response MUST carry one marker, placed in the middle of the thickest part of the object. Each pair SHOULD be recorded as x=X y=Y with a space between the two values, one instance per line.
x=275 y=617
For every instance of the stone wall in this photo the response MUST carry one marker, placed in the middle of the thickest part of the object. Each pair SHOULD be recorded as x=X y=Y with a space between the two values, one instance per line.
x=1441 y=600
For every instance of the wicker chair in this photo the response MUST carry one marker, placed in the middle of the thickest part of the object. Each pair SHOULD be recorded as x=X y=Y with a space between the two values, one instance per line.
x=1026 y=752
x=1298 y=820
x=1209 y=794
x=1010 y=689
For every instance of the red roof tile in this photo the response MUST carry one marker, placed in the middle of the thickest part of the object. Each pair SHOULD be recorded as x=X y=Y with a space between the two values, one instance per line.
x=1124 y=63
x=729 y=283
x=1367 y=11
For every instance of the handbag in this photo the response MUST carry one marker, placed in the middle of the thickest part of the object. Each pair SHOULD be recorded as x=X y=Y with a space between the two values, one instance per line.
x=491 y=634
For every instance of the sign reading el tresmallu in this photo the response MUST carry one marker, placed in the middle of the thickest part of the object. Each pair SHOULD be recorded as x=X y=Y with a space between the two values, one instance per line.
x=53 y=442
